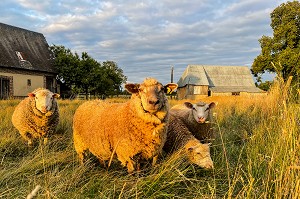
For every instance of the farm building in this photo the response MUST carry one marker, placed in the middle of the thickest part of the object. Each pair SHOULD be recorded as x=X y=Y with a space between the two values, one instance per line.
x=25 y=62
x=199 y=81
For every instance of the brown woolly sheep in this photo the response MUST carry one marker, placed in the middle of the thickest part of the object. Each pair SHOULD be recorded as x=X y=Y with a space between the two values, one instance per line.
x=179 y=138
x=132 y=130
x=197 y=118
x=37 y=115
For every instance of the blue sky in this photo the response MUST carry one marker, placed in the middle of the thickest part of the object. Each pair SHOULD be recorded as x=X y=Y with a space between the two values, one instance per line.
x=146 y=38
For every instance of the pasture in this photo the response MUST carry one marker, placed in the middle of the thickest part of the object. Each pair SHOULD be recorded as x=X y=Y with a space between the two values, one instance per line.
x=255 y=154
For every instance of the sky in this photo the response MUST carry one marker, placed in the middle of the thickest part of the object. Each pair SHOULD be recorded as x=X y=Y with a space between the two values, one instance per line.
x=147 y=38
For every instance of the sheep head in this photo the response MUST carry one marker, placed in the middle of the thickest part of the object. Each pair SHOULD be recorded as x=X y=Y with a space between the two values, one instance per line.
x=199 y=154
x=43 y=99
x=151 y=93
x=200 y=110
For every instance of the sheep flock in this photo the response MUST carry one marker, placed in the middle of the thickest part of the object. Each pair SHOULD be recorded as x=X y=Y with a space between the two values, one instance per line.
x=142 y=129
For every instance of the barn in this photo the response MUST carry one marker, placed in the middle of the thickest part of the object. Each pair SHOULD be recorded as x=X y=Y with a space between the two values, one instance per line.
x=198 y=81
x=25 y=62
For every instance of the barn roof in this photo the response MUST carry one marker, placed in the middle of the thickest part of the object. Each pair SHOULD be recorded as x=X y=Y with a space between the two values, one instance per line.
x=24 y=49
x=219 y=78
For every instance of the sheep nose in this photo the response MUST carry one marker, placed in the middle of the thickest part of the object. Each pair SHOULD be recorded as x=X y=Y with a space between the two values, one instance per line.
x=201 y=119
x=44 y=108
x=154 y=102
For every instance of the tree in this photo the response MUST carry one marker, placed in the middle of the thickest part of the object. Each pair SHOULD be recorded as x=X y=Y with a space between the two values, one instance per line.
x=265 y=85
x=283 y=48
x=88 y=71
x=85 y=74
x=66 y=63
x=113 y=77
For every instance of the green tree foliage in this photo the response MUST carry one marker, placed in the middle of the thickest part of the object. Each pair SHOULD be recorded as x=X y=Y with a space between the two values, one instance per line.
x=265 y=85
x=284 y=47
x=85 y=74
x=112 y=76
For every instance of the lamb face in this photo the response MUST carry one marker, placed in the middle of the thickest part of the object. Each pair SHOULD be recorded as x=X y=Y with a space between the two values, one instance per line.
x=200 y=155
x=200 y=110
x=43 y=100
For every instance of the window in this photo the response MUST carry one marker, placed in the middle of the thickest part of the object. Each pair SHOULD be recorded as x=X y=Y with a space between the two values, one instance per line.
x=28 y=82
x=20 y=55
x=235 y=93
x=4 y=87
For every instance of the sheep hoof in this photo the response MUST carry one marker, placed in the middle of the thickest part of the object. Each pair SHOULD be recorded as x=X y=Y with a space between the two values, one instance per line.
x=45 y=141
x=130 y=167
x=154 y=160
x=30 y=144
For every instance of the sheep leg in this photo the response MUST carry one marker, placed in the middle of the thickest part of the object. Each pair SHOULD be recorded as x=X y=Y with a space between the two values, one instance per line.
x=130 y=166
x=154 y=160
x=27 y=137
x=79 y=147
x=127 y=162
x=45 y=140
x=103 y=163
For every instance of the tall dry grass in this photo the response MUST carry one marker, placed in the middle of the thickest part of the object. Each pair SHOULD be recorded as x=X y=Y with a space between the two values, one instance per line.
x=256 y=155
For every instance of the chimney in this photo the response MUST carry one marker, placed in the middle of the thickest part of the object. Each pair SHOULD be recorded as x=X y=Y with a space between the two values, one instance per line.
x=172 y=73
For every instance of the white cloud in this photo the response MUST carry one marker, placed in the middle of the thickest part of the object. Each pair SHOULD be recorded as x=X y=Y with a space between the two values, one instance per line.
x=147 y=37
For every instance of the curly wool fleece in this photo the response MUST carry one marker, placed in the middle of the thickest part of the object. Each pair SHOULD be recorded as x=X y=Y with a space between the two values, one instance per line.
x=132 y=130
x=33 y=123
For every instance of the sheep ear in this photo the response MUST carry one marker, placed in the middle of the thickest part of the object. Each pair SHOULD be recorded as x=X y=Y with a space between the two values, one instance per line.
x=31 y=95
x=188 y=105
x=56 y=95
x=212 y=105
x=132 y=88
x=170 y=87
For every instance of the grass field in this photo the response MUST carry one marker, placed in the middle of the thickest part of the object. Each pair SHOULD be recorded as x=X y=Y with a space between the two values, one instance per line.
x=256 y=155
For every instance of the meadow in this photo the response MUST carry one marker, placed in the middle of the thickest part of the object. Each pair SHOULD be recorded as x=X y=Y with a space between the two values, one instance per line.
x=255 y=154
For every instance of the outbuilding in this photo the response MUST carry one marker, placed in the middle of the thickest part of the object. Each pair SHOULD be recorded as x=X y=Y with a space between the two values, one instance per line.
x=25 y=62
x=198 y=81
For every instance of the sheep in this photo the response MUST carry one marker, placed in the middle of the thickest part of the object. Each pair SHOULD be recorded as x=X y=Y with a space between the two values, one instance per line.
x=37 y=115
x=197 y=118
x=179 y=138
x=134 y=130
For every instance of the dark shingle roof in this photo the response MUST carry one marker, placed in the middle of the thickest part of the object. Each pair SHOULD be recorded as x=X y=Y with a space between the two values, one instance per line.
x=24 y=49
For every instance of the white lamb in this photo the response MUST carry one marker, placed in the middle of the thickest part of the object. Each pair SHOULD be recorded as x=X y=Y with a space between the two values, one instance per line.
x=179 y=138
x=37 y=116
x=197 y=118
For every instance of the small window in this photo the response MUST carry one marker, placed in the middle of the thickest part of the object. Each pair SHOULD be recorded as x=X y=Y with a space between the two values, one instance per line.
x=235 y=93
x=20 y=55
x=28 y=82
